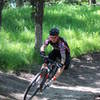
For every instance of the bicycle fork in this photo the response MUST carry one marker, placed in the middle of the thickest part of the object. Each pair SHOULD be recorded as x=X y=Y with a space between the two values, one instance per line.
x=44 y=75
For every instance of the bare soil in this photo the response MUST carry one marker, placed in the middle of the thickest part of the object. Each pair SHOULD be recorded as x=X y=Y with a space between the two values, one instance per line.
x=80 y=82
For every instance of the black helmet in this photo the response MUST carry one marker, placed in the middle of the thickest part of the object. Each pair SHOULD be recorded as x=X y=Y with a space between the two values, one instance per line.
x=54 y=31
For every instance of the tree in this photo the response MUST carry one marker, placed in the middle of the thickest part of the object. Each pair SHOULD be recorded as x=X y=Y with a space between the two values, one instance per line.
x=92 y=2
x=1 y=7
x=38 y=9
x=13 y=3
x=19 y=3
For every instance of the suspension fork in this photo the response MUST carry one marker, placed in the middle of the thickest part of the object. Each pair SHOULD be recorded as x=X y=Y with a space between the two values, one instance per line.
x=53 y=72
x=44 y=75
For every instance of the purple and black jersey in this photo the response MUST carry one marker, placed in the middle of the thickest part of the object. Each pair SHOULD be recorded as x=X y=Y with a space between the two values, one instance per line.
x=61 y=45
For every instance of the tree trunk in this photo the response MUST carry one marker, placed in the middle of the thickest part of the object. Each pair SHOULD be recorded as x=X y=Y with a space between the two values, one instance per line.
x=89 y=2
x=38 y=15
x=93 y=1
x=13 y=3
x=1 y=7
x=0 y=19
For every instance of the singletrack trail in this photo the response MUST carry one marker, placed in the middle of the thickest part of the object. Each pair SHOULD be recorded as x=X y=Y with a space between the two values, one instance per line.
x=80 y=82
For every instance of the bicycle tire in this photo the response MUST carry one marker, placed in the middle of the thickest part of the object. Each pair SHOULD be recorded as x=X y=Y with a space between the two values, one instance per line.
x=31 y=86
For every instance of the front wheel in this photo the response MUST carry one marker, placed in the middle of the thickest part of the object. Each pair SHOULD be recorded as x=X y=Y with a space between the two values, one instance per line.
x=33 y=88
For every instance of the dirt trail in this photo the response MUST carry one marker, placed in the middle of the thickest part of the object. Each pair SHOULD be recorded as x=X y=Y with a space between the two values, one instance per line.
x=80 y=82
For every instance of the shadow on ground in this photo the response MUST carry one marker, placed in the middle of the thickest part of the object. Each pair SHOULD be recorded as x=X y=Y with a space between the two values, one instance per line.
x=80 y=82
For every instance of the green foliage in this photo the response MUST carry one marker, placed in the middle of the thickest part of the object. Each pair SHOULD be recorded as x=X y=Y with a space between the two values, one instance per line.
x=79 y=25
x=16 y=20
x=67 y=1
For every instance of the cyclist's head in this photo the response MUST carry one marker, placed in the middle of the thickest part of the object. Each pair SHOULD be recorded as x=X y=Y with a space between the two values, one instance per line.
x=54 y=32
x=54 y=35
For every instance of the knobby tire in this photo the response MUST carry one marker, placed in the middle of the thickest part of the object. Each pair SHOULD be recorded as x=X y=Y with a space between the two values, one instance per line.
x=32 y=84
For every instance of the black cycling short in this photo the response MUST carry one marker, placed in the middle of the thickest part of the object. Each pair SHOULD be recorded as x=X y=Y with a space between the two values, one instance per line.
x=56 y=54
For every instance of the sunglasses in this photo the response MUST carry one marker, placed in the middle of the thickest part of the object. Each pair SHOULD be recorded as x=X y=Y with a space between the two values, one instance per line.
x=53 y=37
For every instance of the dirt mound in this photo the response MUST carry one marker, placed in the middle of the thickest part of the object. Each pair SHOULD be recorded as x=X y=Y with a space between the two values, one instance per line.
x=80 y=82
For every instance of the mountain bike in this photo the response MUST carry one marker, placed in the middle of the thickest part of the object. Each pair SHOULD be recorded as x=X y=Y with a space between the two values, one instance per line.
x=41 y=79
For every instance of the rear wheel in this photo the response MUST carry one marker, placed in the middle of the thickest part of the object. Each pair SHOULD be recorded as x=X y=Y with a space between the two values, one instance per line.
x=33 y=87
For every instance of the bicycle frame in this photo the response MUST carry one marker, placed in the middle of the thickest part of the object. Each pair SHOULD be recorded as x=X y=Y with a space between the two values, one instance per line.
x=50 y=70
x=46 y=74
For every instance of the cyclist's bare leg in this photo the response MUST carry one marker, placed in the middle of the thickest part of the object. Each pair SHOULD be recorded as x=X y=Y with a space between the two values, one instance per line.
x=59 y=72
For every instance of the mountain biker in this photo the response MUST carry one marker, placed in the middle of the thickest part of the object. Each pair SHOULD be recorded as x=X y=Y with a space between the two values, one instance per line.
x=60 y=50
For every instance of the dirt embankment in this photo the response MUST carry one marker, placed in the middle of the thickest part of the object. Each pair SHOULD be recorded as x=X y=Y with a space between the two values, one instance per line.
x=80 y=82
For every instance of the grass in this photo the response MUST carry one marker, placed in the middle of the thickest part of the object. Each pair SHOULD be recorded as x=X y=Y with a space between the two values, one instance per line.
x=79 y=25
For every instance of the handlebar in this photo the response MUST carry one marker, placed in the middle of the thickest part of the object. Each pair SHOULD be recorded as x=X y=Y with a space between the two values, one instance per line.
x=46 y=57
x=51 y=61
